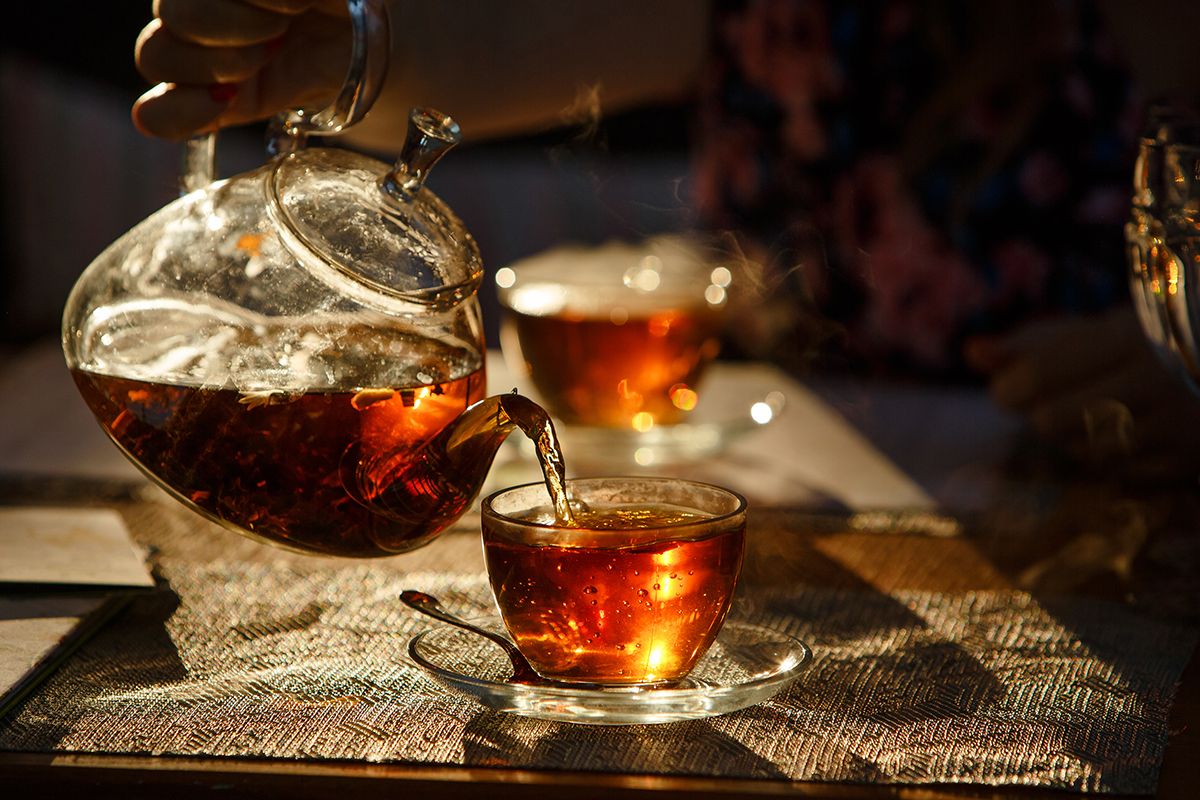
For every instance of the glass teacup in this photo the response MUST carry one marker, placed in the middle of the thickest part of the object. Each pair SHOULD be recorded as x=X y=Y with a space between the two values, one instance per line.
x=617 y=336
x=633 y=595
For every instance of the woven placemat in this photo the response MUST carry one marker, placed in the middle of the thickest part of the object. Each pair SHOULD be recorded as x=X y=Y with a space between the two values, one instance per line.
x=255 y=653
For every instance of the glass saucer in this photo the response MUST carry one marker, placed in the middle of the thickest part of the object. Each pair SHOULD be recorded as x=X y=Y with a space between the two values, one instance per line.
x=747 y=665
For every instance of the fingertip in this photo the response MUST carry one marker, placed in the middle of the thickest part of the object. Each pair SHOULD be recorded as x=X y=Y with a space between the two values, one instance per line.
x=171 y=111
x=147 y=33
x=137 y=113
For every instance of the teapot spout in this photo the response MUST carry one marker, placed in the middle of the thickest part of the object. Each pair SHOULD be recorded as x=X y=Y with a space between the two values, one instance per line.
x=481 y=429
x=471 y=441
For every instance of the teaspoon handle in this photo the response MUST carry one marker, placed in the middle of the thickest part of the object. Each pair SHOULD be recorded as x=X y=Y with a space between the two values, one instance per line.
x=428 y=605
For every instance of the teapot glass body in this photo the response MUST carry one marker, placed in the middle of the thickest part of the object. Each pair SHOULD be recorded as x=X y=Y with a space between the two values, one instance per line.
x=270 y=390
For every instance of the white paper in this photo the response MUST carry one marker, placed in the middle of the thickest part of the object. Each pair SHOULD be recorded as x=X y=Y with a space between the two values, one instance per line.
x=32 y=628
x=89 y=547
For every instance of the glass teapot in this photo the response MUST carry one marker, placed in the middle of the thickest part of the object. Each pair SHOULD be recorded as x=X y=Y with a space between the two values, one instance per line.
x=297 y=352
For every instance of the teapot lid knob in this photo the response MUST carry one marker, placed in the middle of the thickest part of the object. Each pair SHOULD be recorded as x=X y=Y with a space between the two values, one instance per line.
x=431 y=134
x=351 y=217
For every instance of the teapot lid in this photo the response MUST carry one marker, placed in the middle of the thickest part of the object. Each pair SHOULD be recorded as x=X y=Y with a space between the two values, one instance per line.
x=387 y=232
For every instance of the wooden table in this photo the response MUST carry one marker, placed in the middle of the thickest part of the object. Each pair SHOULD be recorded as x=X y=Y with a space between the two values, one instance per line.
x=828 y=554
x=1013 y=542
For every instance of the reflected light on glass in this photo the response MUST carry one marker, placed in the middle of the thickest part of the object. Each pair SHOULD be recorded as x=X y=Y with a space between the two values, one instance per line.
x=419 y=395
x=683 y=397
x=538 y=300
x=505 y=277
x=654 y=661
x=645 y=275
x=714 y=295
x=642 y=421
x=762 y=413
x=721 y=276
x=643 y=456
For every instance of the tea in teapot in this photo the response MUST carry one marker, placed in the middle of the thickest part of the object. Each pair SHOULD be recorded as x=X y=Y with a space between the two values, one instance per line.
x=337 y=471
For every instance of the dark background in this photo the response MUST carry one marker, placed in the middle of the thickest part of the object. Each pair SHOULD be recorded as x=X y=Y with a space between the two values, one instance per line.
x=75 y=175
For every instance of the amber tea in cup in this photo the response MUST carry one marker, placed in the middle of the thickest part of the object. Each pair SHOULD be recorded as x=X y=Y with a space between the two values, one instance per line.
x=633 y=594
x=617 y=336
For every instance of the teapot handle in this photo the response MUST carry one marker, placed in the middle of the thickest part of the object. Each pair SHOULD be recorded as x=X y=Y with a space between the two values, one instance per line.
x=288 y=132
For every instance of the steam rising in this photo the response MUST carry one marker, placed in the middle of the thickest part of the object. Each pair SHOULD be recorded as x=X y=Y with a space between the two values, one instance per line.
x=584 y=112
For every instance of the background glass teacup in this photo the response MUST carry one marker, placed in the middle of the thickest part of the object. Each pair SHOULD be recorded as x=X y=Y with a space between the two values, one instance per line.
x=634 y=594
x=617 y=336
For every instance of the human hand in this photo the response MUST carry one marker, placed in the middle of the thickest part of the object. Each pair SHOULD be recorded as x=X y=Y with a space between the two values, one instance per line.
x=226 y=62
x=1093 y=386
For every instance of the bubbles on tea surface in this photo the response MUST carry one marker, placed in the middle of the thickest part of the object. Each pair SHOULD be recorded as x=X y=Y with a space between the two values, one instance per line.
x=657 y=587
x=586 y=589
x=642 y=593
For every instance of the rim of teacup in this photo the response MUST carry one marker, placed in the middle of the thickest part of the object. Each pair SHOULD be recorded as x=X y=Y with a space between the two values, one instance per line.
x=677 y=530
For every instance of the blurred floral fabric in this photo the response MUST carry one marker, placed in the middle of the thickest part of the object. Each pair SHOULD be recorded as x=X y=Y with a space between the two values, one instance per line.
x=914 y=172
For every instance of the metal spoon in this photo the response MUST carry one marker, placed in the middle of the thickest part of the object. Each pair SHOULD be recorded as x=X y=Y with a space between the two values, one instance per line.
x=428 y=604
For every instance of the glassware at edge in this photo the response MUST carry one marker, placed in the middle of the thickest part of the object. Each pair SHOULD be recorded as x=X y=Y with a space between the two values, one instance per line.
x=297 y=352
x=1163 y=240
